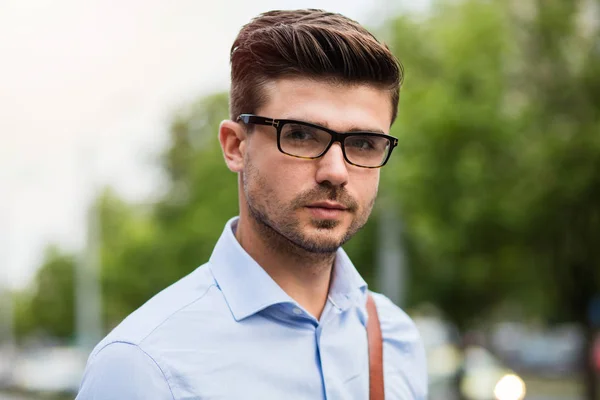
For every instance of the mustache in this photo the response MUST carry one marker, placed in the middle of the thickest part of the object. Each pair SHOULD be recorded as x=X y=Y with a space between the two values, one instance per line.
x=326 y=192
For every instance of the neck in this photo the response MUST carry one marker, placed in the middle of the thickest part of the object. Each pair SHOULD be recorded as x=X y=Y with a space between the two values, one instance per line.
x=304 y=276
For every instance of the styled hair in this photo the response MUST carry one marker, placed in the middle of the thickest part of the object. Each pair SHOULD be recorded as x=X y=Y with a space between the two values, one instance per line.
x=312 y=44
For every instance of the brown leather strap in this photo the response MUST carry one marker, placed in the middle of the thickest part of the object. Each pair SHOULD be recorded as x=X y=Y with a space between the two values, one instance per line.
x=376 y=388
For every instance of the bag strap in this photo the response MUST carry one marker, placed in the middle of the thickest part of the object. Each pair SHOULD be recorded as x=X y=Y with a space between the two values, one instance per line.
x=376 y=387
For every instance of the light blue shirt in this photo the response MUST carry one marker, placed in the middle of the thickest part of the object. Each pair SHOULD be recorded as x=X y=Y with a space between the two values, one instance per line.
x=228 y=331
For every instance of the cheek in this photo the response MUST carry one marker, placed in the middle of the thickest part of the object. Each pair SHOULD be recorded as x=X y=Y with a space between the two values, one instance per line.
x=289 y=180
x=366 y=186
x=281 y=178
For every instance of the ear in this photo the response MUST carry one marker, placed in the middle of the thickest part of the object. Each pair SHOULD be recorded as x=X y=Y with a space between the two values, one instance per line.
x=232 y=137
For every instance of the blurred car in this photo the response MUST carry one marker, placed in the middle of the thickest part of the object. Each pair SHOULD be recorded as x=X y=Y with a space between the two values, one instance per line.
x=475 y=372
x=485 y=378
x=7 y=359
x=440 y=339
x=525 y=347
x=596 y=353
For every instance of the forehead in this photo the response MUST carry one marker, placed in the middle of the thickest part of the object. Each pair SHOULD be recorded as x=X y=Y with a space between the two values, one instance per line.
x=339 y=106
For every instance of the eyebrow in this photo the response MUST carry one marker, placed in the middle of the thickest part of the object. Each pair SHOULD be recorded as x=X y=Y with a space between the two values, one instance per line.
x=325 y=125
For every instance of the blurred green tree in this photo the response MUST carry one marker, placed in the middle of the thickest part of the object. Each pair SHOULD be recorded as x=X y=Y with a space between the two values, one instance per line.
x=498 y=180
x=453 y=156
x=46 y=310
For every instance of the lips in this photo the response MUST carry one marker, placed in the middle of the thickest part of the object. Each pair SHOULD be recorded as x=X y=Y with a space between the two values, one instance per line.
x=327 y=210
x=329 y=205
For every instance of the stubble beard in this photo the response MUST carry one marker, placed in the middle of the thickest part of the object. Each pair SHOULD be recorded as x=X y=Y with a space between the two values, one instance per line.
x=280 y=229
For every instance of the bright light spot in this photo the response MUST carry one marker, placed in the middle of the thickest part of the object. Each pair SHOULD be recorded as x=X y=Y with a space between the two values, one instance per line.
x=510 y=387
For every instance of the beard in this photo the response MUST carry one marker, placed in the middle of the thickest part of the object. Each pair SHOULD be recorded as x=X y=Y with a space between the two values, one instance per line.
x=279 y=225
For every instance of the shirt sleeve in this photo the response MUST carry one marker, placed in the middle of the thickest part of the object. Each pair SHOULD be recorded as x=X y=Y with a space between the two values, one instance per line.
x=123 y=371
x=403 y=352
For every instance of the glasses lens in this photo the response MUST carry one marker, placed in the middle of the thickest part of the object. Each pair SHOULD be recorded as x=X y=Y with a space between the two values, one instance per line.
x=303 y=141
x=367 y=150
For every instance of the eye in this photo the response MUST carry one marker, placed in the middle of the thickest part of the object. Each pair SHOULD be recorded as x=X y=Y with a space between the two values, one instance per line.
x=298 y=133
x=360 y=143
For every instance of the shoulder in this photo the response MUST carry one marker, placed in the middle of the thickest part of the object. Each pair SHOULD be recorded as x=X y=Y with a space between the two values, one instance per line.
x=396 y=325
x=152 y=339
x=123 y=370
x=167 y=315
x=404 y=353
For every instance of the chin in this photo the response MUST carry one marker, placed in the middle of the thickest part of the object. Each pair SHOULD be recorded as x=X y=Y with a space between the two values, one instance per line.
x=319 y=246
x=326 y=224
x=324 y=236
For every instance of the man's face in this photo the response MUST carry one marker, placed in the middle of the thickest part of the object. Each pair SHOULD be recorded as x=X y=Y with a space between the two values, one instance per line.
x=296 y=199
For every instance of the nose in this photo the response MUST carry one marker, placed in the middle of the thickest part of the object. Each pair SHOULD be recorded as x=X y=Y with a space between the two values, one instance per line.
x=332 y=167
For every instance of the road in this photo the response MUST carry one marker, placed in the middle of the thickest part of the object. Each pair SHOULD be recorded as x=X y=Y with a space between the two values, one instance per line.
x=14 y=396
x=6 y=396
x=551 y=398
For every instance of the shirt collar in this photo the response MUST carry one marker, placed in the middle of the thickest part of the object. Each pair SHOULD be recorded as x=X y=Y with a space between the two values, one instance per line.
x=347 y=286
x=248 y=288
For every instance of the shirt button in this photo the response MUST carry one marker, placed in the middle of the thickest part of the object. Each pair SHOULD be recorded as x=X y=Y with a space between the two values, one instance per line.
x=297 y=311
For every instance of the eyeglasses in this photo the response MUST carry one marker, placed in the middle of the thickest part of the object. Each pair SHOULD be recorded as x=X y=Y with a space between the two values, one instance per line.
x=309 y=141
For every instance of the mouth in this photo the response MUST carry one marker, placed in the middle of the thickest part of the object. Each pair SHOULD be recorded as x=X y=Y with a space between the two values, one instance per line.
x=330 y=205
x=326 y=210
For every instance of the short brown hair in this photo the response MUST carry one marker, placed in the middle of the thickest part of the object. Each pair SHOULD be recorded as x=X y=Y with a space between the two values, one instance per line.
x=307 y=43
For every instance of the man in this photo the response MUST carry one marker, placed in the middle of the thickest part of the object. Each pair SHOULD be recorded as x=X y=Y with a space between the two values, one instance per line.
x=278 y=312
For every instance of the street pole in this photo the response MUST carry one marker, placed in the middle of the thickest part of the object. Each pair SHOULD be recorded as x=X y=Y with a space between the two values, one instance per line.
x=6 y=308
x=88 y=311
x=7 y=336
x=391 y=271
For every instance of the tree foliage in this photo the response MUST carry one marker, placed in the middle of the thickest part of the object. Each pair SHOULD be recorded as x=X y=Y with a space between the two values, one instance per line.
x=498 y=156
x=499 y=173
x=47 y=308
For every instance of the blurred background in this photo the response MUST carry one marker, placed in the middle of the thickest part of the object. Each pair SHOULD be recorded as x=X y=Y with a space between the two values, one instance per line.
x=486 y=231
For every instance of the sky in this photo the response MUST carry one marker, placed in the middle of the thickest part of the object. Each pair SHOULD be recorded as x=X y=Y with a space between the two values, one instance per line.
x=86 y=92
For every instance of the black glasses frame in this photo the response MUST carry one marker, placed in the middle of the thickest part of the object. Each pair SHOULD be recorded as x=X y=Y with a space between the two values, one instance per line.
x=339 y=137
